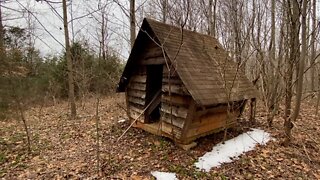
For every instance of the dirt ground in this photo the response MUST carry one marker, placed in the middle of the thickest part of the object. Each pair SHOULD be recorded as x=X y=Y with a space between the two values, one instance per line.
x=66 y=149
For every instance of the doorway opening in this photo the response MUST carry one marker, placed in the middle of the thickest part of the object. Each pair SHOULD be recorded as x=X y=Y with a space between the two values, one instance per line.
x=153 y=93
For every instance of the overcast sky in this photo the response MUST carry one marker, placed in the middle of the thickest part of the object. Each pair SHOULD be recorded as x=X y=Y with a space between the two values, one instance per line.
x=83 y=28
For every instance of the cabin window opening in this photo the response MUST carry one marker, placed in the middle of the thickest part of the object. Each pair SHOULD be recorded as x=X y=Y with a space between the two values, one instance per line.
x=153 y=93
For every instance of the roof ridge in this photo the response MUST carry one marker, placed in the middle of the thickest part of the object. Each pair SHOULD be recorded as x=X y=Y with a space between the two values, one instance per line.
x=177 y=27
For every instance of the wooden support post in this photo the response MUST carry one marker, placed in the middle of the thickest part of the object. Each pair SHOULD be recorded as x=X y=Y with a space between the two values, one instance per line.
x=190 y=116
x=252 y=118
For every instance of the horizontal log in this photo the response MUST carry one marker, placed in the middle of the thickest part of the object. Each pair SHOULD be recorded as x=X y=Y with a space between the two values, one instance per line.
x=166 y=80
x=178 y=122
x=181 y=112
x=213 y=110
x=219 y=109
x=135 y=108
x=153 y=52
x=176 y=99
x=139 y=78
x=171 y=130
x=142 y=70
x=177 y=89
x=211 y=122
x=138 y=86
x=153 y=61
x=135 y=115
x=137 y=93
x=136 y=100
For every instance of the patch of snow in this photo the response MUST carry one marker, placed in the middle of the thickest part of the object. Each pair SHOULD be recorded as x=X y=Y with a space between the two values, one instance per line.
x=164 y=175
x=122 y=120
x=231 y=149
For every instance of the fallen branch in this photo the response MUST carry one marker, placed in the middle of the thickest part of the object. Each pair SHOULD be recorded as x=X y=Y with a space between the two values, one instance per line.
x=121 y=107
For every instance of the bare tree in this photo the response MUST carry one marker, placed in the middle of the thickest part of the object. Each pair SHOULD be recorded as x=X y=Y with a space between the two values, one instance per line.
x=212 y=17
x=103 y=32
x=294 y=53
x=69 y=61
x=313 y=44
x=164 y=5
x=274 y=78
x=302 y=59
x=2 y=49
x=132 y=22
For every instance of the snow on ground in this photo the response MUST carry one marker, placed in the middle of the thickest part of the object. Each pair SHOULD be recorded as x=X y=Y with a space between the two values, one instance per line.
x=164 y=175
x=121 y=120
x=231 y=149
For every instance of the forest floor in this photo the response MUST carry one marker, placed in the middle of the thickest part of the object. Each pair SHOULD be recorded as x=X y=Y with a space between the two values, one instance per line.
x=66 y=149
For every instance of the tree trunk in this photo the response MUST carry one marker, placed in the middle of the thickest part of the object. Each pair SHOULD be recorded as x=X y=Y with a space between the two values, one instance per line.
x=214 y=20
x=164 y=5
x=69 y=62
x=293 y=28
x=302 y=60
x=274 y=75
x=313 y=44
x=103 y=43
x=25 y=125
x=210 y=21
x=318 y=99
x=236 y=29
x=252 y=117
x=212 y=17
x=2 y=49
x=132 y=22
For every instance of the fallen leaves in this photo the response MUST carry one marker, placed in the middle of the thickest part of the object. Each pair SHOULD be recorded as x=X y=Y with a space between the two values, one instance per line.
x=64 y=148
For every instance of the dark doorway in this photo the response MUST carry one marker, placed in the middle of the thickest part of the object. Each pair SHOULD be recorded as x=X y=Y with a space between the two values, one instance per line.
x=153 y=93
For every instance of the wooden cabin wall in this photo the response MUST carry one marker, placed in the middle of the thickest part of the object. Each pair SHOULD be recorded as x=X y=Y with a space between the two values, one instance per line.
x=213 y=119
x=174 y=104
x=136 y=94
x=136 y=89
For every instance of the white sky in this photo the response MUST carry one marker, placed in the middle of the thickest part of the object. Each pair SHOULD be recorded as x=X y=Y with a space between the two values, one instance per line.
x=84 y=28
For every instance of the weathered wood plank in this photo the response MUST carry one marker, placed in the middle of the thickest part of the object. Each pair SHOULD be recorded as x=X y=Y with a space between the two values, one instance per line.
x=208 y=123
x=171 y=130
x=176 y=121
x=138 y=86
x=220 y=108
x=137 y=93
x=153 y=61
x=142 y=70
x=135 y=108
x=213 y=110
x=181 y=112
x=139 y=78
x=166 y=80
x=136 y=100
x=154 y=51
x=176 y=99
x=135 y=115
x=175 y=89
x=188 y=122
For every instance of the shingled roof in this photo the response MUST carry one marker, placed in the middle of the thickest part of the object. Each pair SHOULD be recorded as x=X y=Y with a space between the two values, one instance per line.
x=205 y=68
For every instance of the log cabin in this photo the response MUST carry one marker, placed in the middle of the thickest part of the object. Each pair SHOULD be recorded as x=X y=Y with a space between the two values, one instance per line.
x=182 y=84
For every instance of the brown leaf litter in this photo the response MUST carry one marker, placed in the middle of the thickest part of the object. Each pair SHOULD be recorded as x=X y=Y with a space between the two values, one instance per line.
x=66 y=149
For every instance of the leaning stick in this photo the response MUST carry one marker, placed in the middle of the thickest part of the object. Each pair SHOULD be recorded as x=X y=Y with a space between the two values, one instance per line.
x=156 y=95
